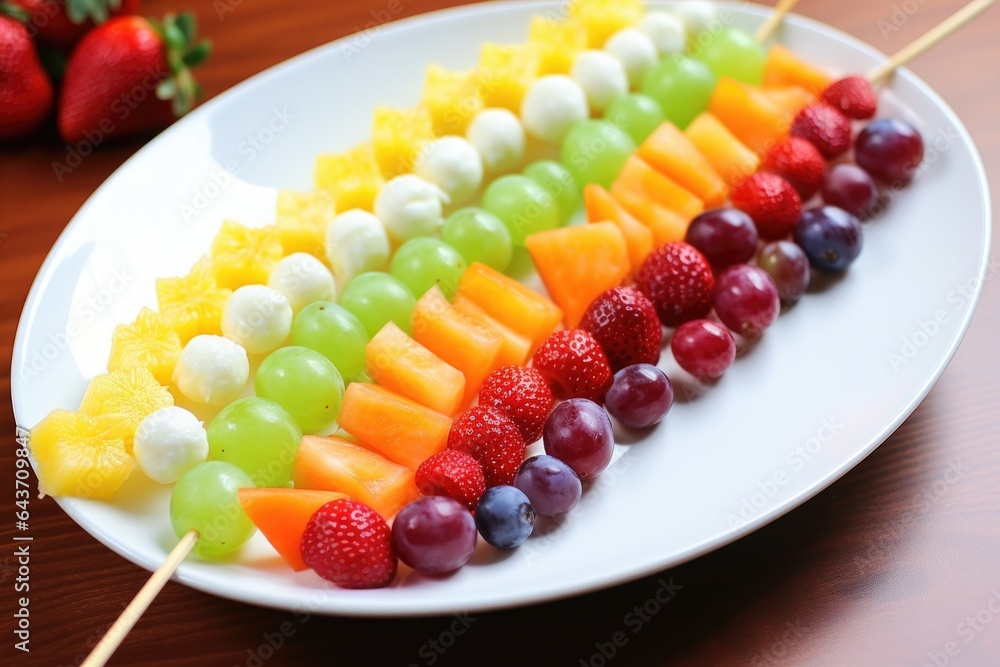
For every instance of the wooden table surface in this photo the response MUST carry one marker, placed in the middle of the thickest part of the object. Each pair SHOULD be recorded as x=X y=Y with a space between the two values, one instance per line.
x=890 y=566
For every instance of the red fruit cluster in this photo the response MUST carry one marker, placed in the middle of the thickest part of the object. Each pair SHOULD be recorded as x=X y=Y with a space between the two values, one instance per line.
x=491 y=438
x=522 y=394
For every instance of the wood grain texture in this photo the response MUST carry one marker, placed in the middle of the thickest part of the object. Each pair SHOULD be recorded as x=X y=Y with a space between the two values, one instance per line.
x=887 y=567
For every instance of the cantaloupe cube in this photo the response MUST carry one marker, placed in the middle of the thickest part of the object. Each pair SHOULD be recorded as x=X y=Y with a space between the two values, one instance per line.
x=732 y=159
x=749 y=114
x=641 y=179
x=560 y=41
x=602 y=207
x=789 y=99
x=302 y=219
x=505 y=72
x=353 y=177
x=604 y=18
x=282 y=516
x=670 y=152
x=397 y=137
x=452 y=99
x=665 y=225
x=784 y=68
x=514 y=349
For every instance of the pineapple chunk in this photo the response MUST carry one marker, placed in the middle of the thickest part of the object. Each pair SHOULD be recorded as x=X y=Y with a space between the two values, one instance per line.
x=560 y=42
x=243 y=255
x=192 y=304
x=134 y=394
x=603 y=18
x=505 y=72
x=397 y=137
x=81 y=455
x=146 y=343
x=352 y=177
x=452 y=99
x=302 y=221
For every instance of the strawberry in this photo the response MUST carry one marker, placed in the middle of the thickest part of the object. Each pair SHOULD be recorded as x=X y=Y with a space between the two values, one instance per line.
x=575 y=365
x=771 y=201
x=128 y=76
x=624 y=323
x=824 y=126
x=25 y=90
x=349 y=543
x=853 y=96
x=522 y=394
x=678 y=280
x=798 y=162
x=491 y=438
x=452 y=473
x=62 y=23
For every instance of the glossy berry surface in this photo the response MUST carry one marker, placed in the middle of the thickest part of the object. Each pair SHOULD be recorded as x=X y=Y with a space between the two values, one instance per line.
x=578 y=432
x=703 y=348
x=434 y=535
x=746 y=300
x=505 y=517
x=678 y=280
x=830 y=237
x=574 y=364
x=452 y=473
x=725 y=236
x=522 y=394
x=772 y=202
x=641 y=395
x=825 y=127
x=348 y=543
x=624 y=323
x=493 y=439
x=849 y=187
x=890 y=150
x=551 y=485
x=788 y=267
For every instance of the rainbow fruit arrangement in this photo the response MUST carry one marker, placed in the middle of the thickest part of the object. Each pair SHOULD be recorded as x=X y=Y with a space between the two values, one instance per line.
x=452 y=368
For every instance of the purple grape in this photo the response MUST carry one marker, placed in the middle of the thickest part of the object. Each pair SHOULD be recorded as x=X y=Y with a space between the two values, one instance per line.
x=703 y=348
x=640 y=396
x=788 y=267
x=746 y=299
x=849 y=187
x=830 y=237
x=579 y=433
x=725 y=236
x=505 y=517
x=551 y=485
x=434 y=535
x=890 y=150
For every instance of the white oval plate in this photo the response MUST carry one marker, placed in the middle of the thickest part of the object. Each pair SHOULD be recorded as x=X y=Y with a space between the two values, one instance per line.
x=832 y=379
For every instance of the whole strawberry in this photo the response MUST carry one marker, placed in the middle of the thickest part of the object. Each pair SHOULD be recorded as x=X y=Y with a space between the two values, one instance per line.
x=62 y=23
x=825 y=127
x=452 y=473
x=522 y=394
x=575 y=365
x=491 y=438
x=771 y=201
x=624 y=323
x=128 y=76
x=798 y=162
x=25 y=89
x=678 y=280
x=349 y=543
x=853 y=96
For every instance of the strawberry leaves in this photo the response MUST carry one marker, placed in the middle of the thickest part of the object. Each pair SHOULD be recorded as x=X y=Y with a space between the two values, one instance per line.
x=178 y=33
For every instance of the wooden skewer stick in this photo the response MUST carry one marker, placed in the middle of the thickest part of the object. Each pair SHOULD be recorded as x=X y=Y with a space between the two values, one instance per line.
x=929 y=39
x=772 y=21
x=116 y=633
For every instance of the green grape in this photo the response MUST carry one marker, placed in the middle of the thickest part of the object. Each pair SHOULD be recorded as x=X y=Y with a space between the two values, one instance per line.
x=637 y=114
x=334 y=332
x=734 y=53
x=377 y=298
x=480 y=236
x=422 y=263
x=524 y=206
x=259 y=436
x=559 y=183
x=205 y=500
x=681 y=86
x=303 y=382
x=594 y=151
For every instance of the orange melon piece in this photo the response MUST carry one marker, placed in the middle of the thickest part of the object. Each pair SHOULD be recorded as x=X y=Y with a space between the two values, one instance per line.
x=749 y=114
x=282 y=516
x=730 y=156
x=784 y=68
x=669 y=151
x=577 y=264
x=396 y=427
x=789 y=99
x=665 y=225
x=334 y=464
x=512 y=304
x=602 y=207
x=640 y=179
x=514 y=348
x=465 y=344
x=397 y=362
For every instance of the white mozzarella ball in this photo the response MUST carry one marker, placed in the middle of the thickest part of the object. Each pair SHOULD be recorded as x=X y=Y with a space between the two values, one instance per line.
x=667 y=31
x=212 y=369
x=302 y=279
x=168 y=443
x=499 y=137
x=552 y=106
x=409 y=207
x=698 y=16
x=602 y=77
x=636 y=52
x=356 y=242
x=452 y=164
x=258 y=318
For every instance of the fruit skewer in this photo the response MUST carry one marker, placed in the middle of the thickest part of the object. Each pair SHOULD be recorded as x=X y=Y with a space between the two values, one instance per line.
x=774 y=19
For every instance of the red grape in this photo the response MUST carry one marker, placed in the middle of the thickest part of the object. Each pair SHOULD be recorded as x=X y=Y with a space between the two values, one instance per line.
x=703 y=348
x=746 y=299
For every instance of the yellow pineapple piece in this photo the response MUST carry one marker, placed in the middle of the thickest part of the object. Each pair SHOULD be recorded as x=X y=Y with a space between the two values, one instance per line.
x=452 y=98
x=352 y=177
x=244 y=255
x=505 y=72
x=81 y=455
x=192 y=304
x=560 y=42
x=302 y=221
x=146 y=343
x=134 y=394
x=603 y=18
x=397 y=136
